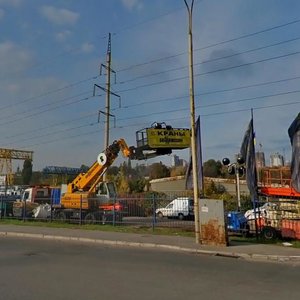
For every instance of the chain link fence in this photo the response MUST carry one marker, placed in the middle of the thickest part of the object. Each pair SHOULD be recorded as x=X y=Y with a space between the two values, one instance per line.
x=171 y=210
x=272 y=219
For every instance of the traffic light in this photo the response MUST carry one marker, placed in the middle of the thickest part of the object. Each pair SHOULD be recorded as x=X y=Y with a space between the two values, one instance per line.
x=235 y=168
x=225 y=161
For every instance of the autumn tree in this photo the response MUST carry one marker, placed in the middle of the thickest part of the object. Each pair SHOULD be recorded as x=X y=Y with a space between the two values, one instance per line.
x=158 y=170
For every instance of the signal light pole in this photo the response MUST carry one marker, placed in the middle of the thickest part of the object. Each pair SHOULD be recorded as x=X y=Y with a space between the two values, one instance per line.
x=238 y=169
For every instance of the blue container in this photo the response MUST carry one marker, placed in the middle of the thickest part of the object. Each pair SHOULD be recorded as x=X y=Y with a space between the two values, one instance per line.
x=55 y=196
x=236 y=221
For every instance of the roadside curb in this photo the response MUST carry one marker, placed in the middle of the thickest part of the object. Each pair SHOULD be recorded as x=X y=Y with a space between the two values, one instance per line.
x=257 y=257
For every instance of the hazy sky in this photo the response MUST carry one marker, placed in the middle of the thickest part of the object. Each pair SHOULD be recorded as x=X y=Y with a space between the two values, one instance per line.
x=246 y=55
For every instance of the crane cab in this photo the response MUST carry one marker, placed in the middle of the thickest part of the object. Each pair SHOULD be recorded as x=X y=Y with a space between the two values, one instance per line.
x=160 y=139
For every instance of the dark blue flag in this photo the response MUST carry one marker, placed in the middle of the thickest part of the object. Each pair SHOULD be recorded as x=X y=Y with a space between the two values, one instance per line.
x=189 y=172
x=294 y=134
x=248 y=154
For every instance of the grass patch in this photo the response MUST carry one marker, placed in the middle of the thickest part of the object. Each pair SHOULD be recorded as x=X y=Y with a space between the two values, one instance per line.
x=253 y=240
x=108 y=228
x=139 y=229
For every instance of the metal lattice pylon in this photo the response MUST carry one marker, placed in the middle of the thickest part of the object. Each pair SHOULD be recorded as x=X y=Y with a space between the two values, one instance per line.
x=6 y=157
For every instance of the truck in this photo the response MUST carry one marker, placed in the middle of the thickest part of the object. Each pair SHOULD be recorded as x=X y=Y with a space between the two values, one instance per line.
x=87 y=197
x=279 y=215
x=181 y=208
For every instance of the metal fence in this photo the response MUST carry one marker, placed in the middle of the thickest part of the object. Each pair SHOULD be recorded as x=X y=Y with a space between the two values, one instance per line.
x=128 y=210
x=276 y=218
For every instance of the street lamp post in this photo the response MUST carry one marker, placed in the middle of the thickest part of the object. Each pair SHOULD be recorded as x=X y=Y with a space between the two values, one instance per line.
x=192 y=119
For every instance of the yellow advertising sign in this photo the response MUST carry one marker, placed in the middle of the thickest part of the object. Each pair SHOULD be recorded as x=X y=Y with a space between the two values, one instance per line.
x=169 y=138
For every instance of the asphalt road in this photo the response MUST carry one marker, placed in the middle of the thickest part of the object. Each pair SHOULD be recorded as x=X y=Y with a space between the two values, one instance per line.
x=39 y=269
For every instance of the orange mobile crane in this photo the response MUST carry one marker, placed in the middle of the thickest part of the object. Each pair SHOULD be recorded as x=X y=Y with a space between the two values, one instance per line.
x=88 y=194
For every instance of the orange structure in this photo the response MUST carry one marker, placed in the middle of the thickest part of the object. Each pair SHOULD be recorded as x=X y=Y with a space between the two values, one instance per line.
x=276 y=182
x=283 y=215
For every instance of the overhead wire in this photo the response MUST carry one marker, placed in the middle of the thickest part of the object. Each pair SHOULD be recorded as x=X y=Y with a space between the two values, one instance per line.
x=49 y=92
x=210 y=105
x=213 y=44
x=172 y=119
x=209 y=60
x=156 y=83
x=46 y=61
x=22 y=116
x=210 y=92
x=208 y=72
x=205 y=47
x=56 y=124
x=293 y=22
x=181 y=78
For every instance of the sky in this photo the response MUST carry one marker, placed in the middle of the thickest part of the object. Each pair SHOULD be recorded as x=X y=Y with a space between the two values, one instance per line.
x=246 y=56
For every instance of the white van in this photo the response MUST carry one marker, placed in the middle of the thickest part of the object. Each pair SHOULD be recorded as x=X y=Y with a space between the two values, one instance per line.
x=182 y=207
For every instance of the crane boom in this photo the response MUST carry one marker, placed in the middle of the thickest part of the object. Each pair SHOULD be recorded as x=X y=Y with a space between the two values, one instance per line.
x=88 y=181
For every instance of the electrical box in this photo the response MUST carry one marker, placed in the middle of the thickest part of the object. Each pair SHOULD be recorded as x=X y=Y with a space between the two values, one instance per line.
x=213 y=227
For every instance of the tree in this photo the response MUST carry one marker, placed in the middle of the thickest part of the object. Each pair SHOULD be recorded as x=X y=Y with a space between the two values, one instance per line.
x=113 y=171
x=212 y=168
x=137 y=185
x=122 y=182
x=177 y=171
x=159 y=170
x=27 y=171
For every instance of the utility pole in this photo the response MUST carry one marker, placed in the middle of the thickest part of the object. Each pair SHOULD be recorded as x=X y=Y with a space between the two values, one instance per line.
x=108 y=65
x=192 y=119
x=108 y=91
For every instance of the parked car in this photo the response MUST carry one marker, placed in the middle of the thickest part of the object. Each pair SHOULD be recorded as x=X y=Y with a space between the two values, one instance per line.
x=182 y=207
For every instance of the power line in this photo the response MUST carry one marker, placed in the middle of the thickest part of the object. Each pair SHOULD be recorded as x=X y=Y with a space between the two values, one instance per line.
x=213 y=45
x=216 y=104
x=95 y=77
x=172 y=119
x=49 y=92
x=60 y=139
x=57 y=132
x=41 y=106
x=167 y=81
x=203 y=106
x=210 y=72
x=52 y=125
x=74 y=49
x=251 y=98
x=212 y=105
x=248 y=109
x=210 y=60
x=212 y=92
x=46 y=110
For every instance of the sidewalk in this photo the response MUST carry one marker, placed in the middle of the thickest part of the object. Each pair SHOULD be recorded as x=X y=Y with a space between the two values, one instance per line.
x=176 y=243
